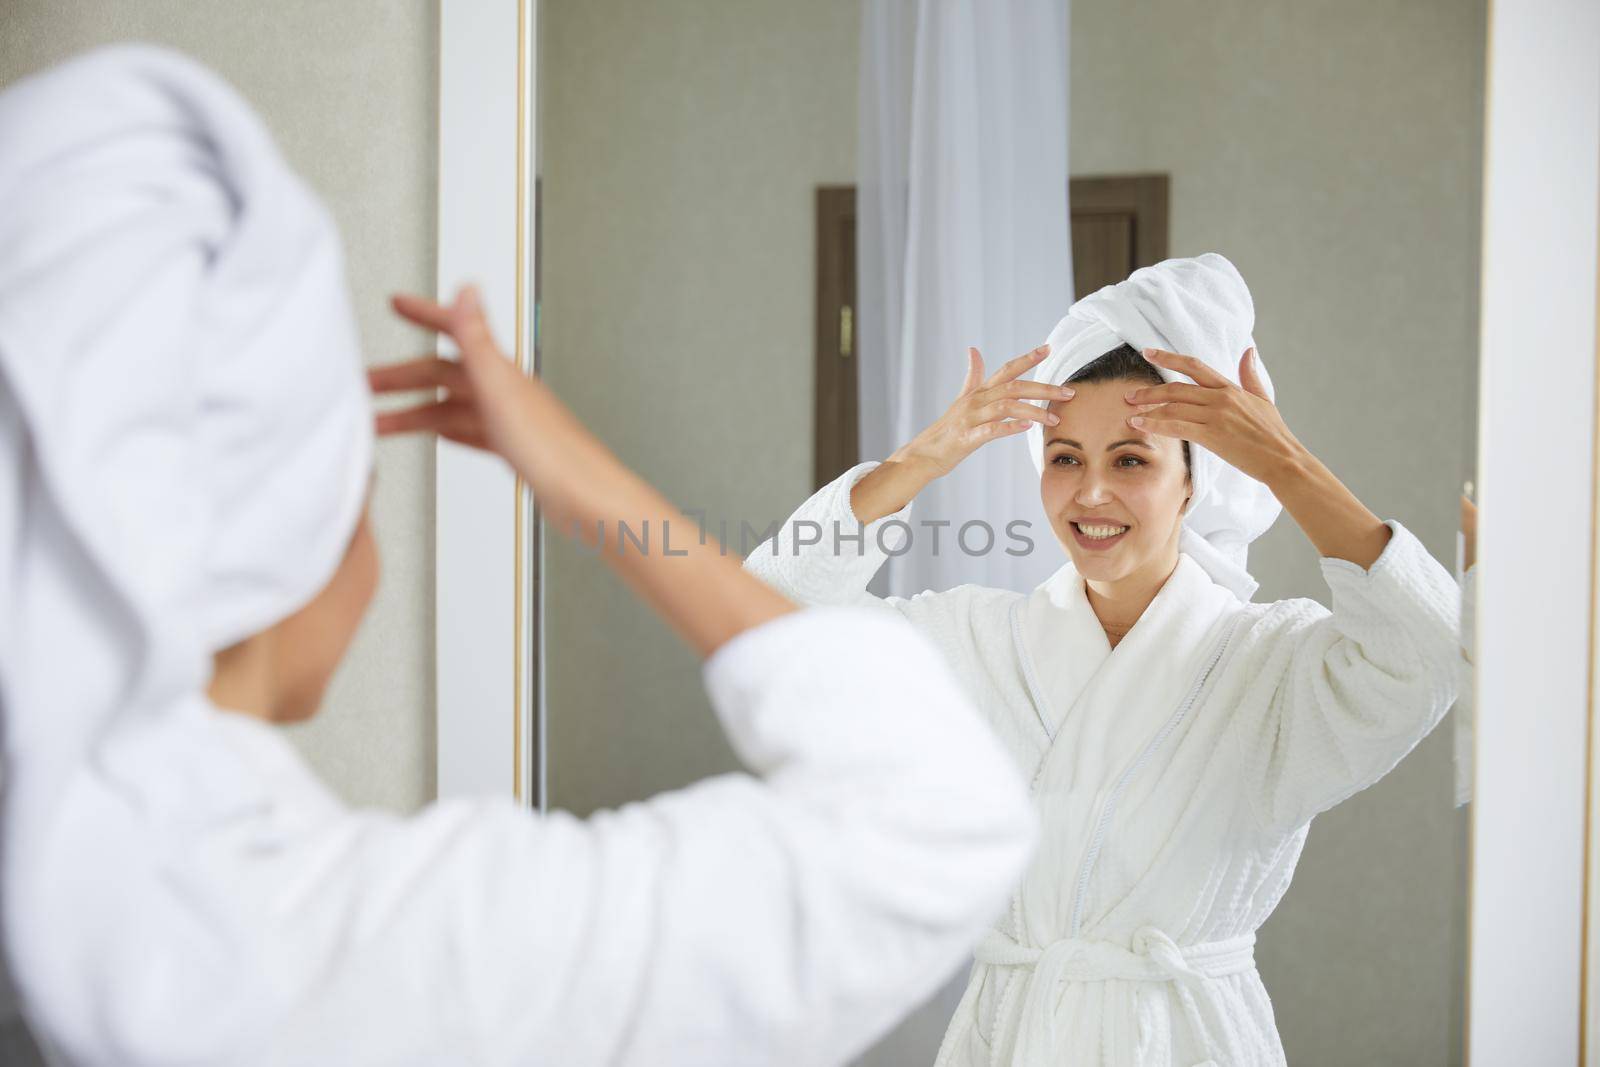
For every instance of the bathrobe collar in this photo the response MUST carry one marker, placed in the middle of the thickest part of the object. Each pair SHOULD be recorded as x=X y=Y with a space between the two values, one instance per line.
x=1064 y=648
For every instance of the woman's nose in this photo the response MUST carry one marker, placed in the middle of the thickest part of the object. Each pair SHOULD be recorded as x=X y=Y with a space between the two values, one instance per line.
x=1091 y=491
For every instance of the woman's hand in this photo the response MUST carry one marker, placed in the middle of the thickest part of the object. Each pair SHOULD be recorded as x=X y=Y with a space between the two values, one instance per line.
x=1469 y=532
x=1242 y=427
x=985 y=410
x=1238 y=423
x=489 y=403
x=581 y=487
x=483 y=392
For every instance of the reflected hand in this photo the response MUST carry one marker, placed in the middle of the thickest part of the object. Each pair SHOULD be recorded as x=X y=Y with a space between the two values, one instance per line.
x=1239 y=423
x=986 y=409
x=1469 y=532
x=483 y=391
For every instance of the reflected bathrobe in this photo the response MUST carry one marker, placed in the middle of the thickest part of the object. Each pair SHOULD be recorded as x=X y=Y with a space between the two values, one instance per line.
x=1175 y=776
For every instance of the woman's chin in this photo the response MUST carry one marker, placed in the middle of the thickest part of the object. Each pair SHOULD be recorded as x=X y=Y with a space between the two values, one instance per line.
x=1089 y=564
x=1107 y=566
x=1097 y=567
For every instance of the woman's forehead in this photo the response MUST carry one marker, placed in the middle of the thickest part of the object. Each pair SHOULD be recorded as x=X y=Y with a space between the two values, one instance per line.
x=1097 y=404
x=1097 y=417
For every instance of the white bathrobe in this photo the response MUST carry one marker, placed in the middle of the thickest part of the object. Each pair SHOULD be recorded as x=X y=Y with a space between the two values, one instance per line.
x=1174 y=776
x=185 y=450
x=212 y=903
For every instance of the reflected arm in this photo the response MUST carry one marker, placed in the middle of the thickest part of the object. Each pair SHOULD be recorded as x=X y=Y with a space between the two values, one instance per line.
x=582 y=488
x=1338 y=524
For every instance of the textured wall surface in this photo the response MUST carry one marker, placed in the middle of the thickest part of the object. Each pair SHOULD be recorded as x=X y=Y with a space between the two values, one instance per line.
x=682 y=144
x=350 y=91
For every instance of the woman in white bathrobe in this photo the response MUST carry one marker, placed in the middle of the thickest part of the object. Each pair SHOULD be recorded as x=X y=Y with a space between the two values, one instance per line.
x=185 y=456
x=1179 y=738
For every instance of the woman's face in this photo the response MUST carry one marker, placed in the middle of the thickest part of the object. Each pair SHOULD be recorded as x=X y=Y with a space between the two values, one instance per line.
x=1102 y=476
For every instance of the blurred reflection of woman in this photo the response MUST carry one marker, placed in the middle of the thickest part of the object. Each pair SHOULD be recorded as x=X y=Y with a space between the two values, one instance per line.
x=185 y=554
x=1179 y=737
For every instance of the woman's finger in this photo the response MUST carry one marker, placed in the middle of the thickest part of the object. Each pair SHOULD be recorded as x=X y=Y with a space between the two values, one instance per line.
x=472 y=437
x=1194 y=368
x=448 y=417
x=1017 y=367
x=974 y=372
x=990 y=430
x=1250 y=375
x=1169 y=393
x=430 y=372
x=1198 y=414
x=1015 y=409
x=1026 y=390
x=428 y=314
x=470 y=328
x=1165 y=427
x=1020 y=390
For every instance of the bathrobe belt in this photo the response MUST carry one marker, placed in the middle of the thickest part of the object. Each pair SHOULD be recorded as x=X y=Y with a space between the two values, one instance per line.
x=1155 y=957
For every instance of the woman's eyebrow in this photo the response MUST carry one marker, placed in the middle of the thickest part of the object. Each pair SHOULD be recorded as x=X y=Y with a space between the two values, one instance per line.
x=1070 y=443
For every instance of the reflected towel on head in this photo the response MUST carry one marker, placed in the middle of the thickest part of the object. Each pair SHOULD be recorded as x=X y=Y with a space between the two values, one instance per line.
x=1197 y=307
x=185 y=447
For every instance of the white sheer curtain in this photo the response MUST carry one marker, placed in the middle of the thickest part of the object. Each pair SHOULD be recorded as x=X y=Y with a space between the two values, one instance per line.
x=961 y=240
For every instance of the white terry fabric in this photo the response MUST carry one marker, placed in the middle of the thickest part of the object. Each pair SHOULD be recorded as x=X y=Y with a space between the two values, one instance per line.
x=1197 y=307
x=1175 y=777
x=188 y=427
x=186 y=438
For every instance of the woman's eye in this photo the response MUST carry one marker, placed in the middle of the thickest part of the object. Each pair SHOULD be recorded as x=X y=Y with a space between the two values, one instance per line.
x=1137 y=462
x=1063 y=460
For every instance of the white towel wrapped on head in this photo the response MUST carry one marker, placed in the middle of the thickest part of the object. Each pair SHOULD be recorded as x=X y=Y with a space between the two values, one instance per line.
x=185 y=451
x=1197 y=307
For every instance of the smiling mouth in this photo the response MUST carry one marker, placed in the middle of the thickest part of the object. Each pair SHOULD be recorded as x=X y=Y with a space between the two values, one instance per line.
x=1097 y=535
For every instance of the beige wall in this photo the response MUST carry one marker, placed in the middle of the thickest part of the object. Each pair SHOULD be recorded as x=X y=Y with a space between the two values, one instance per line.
x=350 y=90
x=682 y=145
x=1331 y=150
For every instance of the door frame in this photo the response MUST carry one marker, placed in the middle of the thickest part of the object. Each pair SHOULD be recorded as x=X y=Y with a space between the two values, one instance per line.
x=487 y=630
x=1530 y=952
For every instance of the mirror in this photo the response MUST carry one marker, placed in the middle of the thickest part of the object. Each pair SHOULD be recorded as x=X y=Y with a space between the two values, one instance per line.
x=702 y=307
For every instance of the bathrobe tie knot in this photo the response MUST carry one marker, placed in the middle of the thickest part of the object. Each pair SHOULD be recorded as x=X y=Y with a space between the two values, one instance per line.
x=1153 y=957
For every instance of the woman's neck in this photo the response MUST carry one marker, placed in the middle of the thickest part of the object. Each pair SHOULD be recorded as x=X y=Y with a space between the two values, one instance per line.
x=243 y=678
x=1119 y=604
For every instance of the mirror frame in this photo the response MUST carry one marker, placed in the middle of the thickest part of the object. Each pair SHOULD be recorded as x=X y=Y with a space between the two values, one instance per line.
x=486 y=537
x=1529 y=949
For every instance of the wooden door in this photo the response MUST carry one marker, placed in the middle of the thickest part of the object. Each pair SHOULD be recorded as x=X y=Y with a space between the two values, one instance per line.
x=835 y=430
x=1118 y=225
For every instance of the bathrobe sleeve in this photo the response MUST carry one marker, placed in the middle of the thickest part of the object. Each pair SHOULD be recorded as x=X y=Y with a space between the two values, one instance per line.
x=786 y=916
x=1336 y=699
x=789 y=915
x=823 y=555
